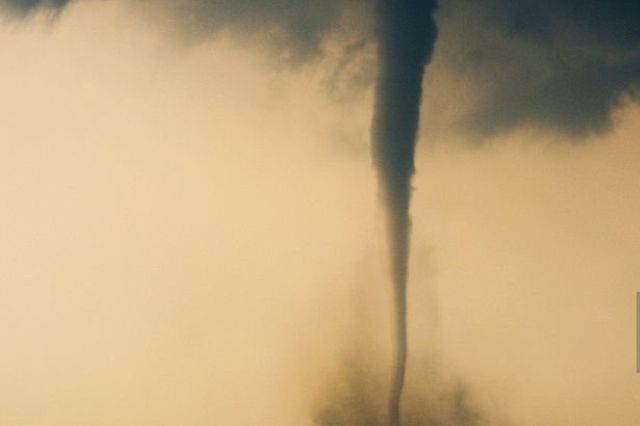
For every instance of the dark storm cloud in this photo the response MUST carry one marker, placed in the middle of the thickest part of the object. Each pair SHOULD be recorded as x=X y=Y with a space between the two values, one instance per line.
x=293 y=27
x=563 y=65
x=560 y=65
x=296 y=27
x=23 y=7
x=556 y=64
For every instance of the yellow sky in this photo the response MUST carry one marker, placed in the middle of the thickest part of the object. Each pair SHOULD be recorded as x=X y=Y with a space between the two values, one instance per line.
x=182 y=227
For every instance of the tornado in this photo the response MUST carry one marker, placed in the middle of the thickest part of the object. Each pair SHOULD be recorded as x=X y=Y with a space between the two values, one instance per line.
x=406 y=33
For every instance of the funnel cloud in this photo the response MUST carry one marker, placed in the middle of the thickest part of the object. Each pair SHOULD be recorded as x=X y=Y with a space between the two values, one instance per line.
x=406 y=33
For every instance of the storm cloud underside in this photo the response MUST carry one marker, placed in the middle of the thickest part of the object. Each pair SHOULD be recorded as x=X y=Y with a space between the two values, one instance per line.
x=563 y=65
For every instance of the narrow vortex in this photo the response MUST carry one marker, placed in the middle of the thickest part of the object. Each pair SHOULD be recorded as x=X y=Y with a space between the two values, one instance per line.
x=406 y=34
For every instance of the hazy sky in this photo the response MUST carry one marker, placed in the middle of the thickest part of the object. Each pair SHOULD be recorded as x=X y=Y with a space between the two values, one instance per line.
x=186 y=228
